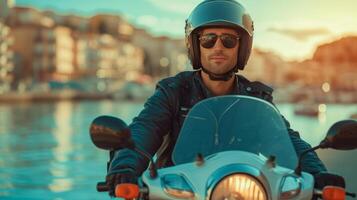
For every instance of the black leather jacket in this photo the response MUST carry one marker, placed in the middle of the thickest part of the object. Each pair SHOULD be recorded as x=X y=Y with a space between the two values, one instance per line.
x=156 y=128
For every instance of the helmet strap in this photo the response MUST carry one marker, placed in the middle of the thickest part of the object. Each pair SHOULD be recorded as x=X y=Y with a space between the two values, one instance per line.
x=220 y=77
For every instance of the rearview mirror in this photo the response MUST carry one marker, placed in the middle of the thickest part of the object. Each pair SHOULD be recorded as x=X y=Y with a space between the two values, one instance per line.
x=110 y=133
x=342 y=136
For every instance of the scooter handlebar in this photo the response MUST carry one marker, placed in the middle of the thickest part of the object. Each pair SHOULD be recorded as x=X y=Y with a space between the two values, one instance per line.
x=102 y=187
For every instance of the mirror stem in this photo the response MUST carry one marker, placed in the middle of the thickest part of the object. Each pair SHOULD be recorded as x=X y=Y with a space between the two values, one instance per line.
x=299 y=167
x=152 y=167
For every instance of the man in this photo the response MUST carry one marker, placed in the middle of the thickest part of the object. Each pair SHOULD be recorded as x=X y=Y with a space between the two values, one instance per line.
x=219 y=36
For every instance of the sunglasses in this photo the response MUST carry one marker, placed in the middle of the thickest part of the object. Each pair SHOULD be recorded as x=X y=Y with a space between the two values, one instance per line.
x=209 y=40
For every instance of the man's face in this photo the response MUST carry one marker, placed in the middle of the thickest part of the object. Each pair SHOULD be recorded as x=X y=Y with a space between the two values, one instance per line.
x=219 y=59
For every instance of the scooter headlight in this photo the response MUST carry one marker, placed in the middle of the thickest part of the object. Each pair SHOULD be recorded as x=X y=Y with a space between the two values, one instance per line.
x=239 y=186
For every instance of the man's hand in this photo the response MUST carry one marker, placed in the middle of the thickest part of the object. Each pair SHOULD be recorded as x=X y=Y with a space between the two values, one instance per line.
x=118 y=177
x=324 y=179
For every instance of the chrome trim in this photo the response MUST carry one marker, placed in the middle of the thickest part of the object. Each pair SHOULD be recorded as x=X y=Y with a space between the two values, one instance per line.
x=231 y=169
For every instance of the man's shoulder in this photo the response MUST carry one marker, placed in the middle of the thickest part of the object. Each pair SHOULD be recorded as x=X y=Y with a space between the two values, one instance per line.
x=176 y=85
x=255 y=86
x=179 y=80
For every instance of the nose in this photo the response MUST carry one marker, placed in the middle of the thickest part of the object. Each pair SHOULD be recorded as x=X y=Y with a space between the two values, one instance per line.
x=218 y=44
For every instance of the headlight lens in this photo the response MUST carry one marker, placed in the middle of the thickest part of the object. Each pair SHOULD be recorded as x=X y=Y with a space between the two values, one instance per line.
x=177 y=186
x=239 y=186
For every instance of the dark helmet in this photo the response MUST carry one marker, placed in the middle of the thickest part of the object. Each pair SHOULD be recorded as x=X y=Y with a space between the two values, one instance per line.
x=219 y=13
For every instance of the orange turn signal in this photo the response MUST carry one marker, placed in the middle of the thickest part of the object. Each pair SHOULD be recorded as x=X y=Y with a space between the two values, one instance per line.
x=333 y=193
x=127 y=191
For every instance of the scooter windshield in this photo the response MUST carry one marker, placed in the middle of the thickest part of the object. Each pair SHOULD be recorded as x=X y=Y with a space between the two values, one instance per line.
x=234 y=122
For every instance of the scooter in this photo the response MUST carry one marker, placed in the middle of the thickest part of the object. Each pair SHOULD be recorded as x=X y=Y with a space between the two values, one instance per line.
x=229 y=148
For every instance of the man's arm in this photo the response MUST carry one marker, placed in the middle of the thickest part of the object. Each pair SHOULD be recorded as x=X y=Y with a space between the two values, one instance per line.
x=311 y=162
x=147 y=131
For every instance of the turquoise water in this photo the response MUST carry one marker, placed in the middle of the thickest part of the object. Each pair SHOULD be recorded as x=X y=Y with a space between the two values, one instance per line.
x=46 y=152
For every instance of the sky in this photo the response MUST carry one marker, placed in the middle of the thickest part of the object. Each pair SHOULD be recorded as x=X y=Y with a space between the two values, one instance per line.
x=291 y=29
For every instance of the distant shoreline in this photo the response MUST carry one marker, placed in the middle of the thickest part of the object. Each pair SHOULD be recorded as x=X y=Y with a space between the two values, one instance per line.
x=15 y=97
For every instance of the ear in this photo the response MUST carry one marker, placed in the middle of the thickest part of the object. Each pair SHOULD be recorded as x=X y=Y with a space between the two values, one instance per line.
x=244 y=50
x=196 y=51
x=193 y=50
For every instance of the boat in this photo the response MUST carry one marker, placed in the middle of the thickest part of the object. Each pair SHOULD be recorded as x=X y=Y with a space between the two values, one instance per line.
x=307 y=110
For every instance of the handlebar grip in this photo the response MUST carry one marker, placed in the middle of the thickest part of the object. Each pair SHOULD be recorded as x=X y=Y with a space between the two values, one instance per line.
x=102 y=187
x=353 y=195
